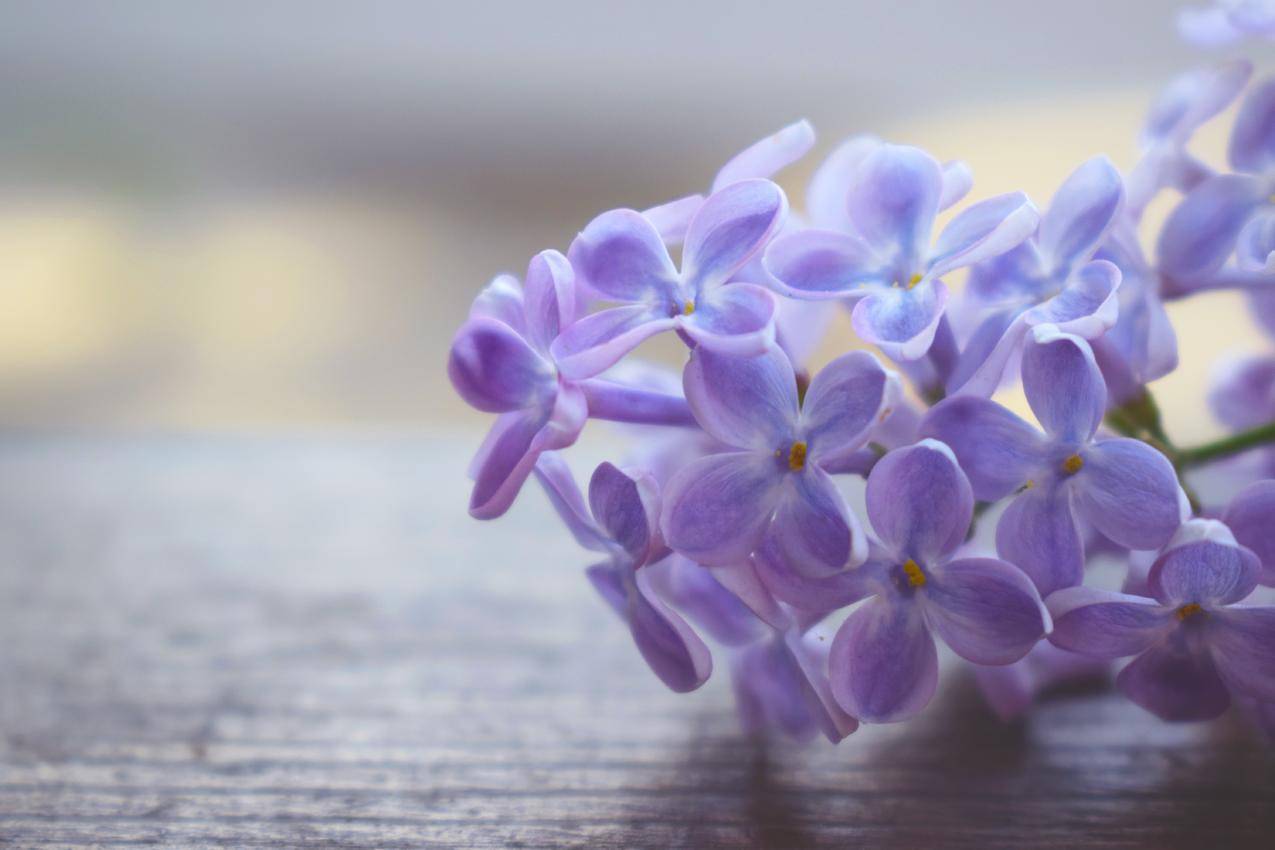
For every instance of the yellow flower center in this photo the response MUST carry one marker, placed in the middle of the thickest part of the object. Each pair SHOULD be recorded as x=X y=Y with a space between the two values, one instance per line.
x=912 y=281
x=1189 y=610
x=688 y=308
x=1072 y=464
x=797 y=456
x=912 y=570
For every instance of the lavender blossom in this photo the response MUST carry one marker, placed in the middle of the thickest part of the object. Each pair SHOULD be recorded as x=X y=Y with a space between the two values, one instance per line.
x=883 y=256
x=1195 y=646
x=1251 y=517
x=773 y=480
x=621 y=256
x=1227 y=21
x=1051 y=279
x=620 y=523
x=500 y=362
x=883 y=665
x=1123 y=487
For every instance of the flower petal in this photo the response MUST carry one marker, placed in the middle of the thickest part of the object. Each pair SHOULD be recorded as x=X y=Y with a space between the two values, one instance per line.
x=1087 y=306
x=984 y=363
x=627 y=507
x=549 y=295
x=1038 y=534
x=495 y=370
x=1255 y=245
x=1252 y=147
x=733 y=224
x=1102 y=624
x=894 y=199
x=742 y=580
x=1079 y=216
x=919 y=501
x=813 y=526
x=1251 y=517
x=502 y=300
x=822 y=264
x=810 y=651
x=1204 y=565
x=597 y=342
x=997 y=450
x=1193 y=98
x=671 y=218
x=697 y=594
x=560 y=487
x=767 y=157
x=804 y=588
x=827 y=197
x=621 y=255
x=1174 y=684
x=717 y=508
x=883 y=665
x=984 y=230
x=1129 y=491
x=986 y=610
x=670 y=646
x=747 y=402
x=510 y=453
x=769 y=692
x=958 y=179
x=1243 y=642
x=1199 y=235
x=1243 y=394
x=843 y=404
x=1063 y=384
x=736 y=319
x=900 y=320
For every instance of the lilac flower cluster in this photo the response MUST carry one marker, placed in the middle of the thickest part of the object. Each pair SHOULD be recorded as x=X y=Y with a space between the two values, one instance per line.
x=731 y=518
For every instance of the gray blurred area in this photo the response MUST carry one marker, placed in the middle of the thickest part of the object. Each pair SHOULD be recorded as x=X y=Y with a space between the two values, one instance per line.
x=245 y=215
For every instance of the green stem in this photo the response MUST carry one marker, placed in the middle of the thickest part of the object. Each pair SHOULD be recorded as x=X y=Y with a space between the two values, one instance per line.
x=1226 y=447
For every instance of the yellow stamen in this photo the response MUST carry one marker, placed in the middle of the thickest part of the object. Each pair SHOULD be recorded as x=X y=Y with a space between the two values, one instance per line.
x=1189 y=610
x=797 y=455
x=914 y=280
x=1072 y=464
x=916 y=577
x=688 y=308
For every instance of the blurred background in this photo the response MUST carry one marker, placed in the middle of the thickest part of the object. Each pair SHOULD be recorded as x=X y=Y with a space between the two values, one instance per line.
x=273 y=215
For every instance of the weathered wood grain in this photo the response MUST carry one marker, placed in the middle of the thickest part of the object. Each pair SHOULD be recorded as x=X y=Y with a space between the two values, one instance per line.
x=305 y=643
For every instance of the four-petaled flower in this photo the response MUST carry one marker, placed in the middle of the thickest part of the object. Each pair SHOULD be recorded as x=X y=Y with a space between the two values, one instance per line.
x=500 y=362
x=883 y=665
x=1050 y=279
x=1195 y=646
x=1123 y=487
x=884 y=258
x=621 y=256
x=772 y=482
x=620 y=523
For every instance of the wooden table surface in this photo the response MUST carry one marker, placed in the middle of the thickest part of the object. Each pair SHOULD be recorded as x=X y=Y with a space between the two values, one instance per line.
x=270 y=642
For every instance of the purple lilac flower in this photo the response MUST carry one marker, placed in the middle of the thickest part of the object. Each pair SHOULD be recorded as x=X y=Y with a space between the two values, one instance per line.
x=764 y=158
x=1227 y=21
x=1187 y=103
x=621 y=256
x=1243 y=396
x=1195 y=646
x=781 y=683
x=1251 y=517
x=1142 y=345
x=1228 y=214
x=501 y=362
x=1051 y=279
x=1125 y=488
x=883 y=257
x=772 y=481
x=620 y=524
x=883 y=665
